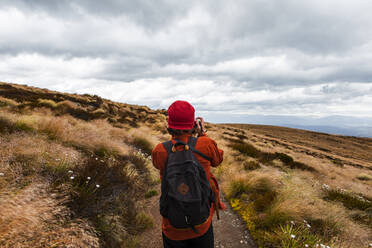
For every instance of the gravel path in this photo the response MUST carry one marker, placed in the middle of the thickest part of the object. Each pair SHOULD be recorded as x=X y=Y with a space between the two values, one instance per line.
x=229 y=231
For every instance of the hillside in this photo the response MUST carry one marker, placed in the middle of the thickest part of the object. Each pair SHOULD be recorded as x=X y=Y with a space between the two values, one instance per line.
x=75 y=171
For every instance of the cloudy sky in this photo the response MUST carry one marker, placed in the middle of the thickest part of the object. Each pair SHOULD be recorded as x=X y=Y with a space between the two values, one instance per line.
x=228 y=58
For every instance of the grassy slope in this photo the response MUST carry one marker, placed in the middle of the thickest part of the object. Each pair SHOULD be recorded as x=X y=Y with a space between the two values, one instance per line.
x=278 y=176
x=73 y=169
x=271 y=175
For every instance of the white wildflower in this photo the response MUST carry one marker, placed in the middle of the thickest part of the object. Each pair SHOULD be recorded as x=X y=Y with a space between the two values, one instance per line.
x=97 y=185
x=1 y=174
x=88 y=178
x=72 y=178
x=308 y=225
x=326 y=187
x=292 y=222
x=70 y=171
x=241 y=241
x=96 y=158
x=293 y=236
x=306 y=245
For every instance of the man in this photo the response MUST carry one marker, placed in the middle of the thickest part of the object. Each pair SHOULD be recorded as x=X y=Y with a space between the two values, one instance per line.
x=181 y=125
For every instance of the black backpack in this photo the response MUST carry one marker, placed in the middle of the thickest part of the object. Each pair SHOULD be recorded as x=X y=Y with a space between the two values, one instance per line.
x=186 y=195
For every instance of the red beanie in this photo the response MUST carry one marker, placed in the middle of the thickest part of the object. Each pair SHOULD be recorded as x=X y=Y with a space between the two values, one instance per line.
x=181 y=115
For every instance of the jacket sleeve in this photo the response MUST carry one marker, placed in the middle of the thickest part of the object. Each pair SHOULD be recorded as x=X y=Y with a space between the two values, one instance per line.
x=159 y=157
x=209 y=146
x=217 y=154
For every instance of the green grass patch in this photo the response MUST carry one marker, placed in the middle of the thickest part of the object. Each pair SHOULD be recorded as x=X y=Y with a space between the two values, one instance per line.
x=151 y=193
x=292 y=236
x=143 y=222
x=364 y=177
x=348 y=199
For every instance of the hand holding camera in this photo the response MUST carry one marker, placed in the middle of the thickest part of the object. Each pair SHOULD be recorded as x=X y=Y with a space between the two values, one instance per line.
x=200 y=126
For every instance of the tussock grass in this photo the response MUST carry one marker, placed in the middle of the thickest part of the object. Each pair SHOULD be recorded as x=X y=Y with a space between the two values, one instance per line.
x=251 y=165
x=246 y=149
x=364 y=177
x=348 y=199
x=267 y=158
x=47 y=103
x=151 y=193
x=7 y=102
x=92 y=164
x=143 y=144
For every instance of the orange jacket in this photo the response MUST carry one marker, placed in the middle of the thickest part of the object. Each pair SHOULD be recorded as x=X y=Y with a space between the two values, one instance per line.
x=207 y=146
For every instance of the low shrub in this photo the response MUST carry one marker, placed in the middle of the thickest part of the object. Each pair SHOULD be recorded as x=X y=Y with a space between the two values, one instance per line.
x=301 y=166
x=151 y=193
x=6 y=125
x=246 y=149
x=143 y=144
x=284 y=158
x=23 y=126
x=251 y=165
x=292 y=236
x=143 y=222
x=7 y=102
x=327 y=229
x=338 y=162
x=237 y=188
x=364 y=177
x=46 y=103
x=348 y=199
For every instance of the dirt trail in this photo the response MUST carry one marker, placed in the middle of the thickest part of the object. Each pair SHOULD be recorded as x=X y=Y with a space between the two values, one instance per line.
x=229 y=231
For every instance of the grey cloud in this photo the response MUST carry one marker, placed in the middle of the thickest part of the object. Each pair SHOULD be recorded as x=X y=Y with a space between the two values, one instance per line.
x=250 y=46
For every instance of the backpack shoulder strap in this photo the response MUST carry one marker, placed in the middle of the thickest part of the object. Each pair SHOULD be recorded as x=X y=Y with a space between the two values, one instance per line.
x=192 y=143
x=168 y=146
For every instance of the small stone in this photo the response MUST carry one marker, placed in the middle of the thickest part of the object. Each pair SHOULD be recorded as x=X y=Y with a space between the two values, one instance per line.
x=97 y=185
x=1 y=174
x=70 y=171
x=241 y=241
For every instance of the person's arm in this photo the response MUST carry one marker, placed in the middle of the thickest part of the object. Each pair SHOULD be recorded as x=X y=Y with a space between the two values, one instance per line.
x=159 y=157
x=217 y=154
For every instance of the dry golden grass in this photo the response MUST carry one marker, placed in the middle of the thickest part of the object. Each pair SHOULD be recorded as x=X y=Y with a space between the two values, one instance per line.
x=35 y=218
x=39 y=150
x=44 y=134
x=299 y=194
